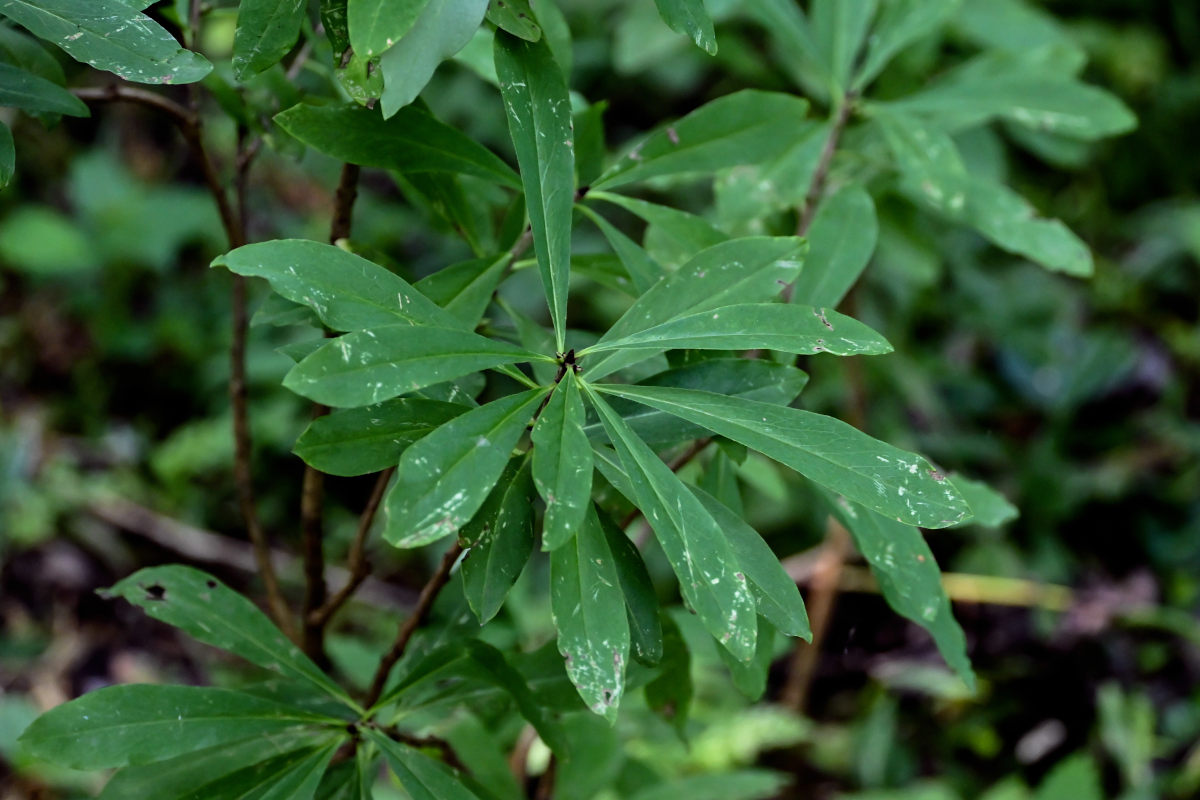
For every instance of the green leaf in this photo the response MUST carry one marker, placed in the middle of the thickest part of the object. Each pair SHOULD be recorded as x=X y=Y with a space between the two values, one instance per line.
x=750 y=677
x=466 y=289
x=8 y=156
x=589 y=615
x=670 y=694
x=690 y=18
x=774 y=590
x=348 y=292
x=1043 y=102
x=516 y=17
x=411 y=141
x=709 y=576
x=110 y=35
x=746 y=194
x=421 y=776
x=825 y=450
x=754 y=379
x=294 y=776
x=376 y=25
x=747 y=270
x=358 y=441
x=266 y=31
x=746 y=127
x=840 y=28
x=934 y=176
x=909 y=579
x=989 y=508
x=28 y=92
x=138 y=724
x=539 y=120
x=562 y=463
x=686 y=233
x=211 y=612
x=900 y=23
x=740 y=785
x=334 y=15
x=367 y=367
x=443 y=479
x=638 y=590
x=501 y=539
x=643 y=270
x=770 y=326
x=796 y=45
x=841 y=241
x=506 y=677
x=194 y=772
x=444 y=28
x=22 y=50
x=1075 y=777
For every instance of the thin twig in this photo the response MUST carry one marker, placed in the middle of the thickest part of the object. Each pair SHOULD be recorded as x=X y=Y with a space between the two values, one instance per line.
x=428 y=594
x=312 y=497
x=821 y=600
x=358 y=565
x=816 y=187
x=242 y=444
x=131 y=94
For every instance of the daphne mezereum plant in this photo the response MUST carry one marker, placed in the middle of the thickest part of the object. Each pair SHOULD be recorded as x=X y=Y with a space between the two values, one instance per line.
x=507 y=438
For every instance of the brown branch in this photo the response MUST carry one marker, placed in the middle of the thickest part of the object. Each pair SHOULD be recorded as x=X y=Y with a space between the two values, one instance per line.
x=312 y=496
x=117 y=92
x=358 y=564
x=428 y=594
x=821 y=174
x=821 y=600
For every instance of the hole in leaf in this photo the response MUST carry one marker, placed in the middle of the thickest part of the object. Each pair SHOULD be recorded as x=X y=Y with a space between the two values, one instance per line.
x=156 y=592
x=210 y=584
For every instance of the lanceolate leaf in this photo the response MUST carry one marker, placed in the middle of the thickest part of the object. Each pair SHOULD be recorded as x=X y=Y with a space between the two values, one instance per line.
x=745 y=127
x=638 y=590
x=367 y=367
x=516 y=17
x=110 y=35
x=757 y=379
x=8 y=155
x=670 y=694
x=709 y=576
x=934 y=176
x=294 y=776
x=444 y=28
x=501 y=539
x=539 y=120
x=689 y=17
x=411 y=141
x=376 y=25
x=139 y=724
x=193 y=773
x=466 y=289
x=210 y=611
x=749 y=270
x=988 y=507
x=1042 y=102
x=642 y=268
x=421 y=776
x=348 y=292
x=909 y=578
x=750 y=677
x=28 y=92
x=840 y=243
x=358 y=441
x=770 y=326
x=562 y=463
x=825 y=450
x=900 y=23
x=443 y=479
x=589 y=614
x=266 y=31
x=687 y=233
x=840 y=29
